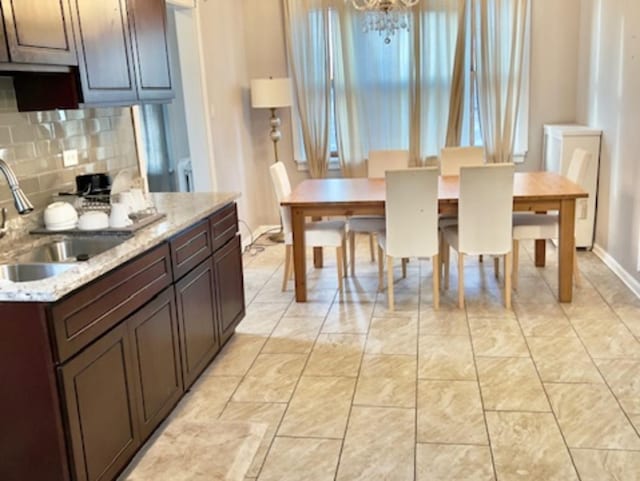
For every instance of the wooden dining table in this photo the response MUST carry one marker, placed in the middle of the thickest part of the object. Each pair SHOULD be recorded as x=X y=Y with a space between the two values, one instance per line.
x=537 y=192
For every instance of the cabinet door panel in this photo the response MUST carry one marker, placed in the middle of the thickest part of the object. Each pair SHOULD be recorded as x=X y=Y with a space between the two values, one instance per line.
x=148 y=20
x=196 y=315
x=227 y=263
x=39 y=31
x=106 y=62
x=156 y=355
x=100 y=407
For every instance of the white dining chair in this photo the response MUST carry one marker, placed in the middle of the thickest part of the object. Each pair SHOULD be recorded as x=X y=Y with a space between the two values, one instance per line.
x=451 y=159
x=530 y=226
x=485 y=216
x=316 y=234
x=411 y=224
x=378 y=163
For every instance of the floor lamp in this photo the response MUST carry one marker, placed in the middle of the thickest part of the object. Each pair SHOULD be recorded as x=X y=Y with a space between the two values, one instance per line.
x=272 y=93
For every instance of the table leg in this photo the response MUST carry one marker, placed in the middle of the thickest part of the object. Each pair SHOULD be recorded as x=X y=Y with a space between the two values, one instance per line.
x=566 y=249
x=318 y=261
x=541 y=252
x=299 y=261
x=540 y=249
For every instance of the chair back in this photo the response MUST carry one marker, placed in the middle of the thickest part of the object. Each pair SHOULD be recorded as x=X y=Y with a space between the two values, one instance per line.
x=282 y=187
x=411 y=212
x=382 y=160
x=485 y=209
x=452 y=158
x=577 y=170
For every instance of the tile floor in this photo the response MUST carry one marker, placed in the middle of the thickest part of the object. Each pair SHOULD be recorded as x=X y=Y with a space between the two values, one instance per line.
x=350 y=391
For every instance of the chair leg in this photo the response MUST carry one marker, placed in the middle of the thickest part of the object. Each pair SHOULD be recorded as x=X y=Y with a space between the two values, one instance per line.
x=516 y=260
x=390 y=282
x=446 y=250
x=481 y=258
x=288 y=251
x=352 y=252
x=496 y=266
x=507 y=280
x=344 y=257
x=339 y=261
x=460 y=280
x=380 y=267
x=436 y=281
x=372 y=246
x=577 y=278
x=404 y=268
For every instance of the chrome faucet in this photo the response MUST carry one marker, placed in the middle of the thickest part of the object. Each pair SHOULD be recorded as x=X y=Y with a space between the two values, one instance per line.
x=23 y=206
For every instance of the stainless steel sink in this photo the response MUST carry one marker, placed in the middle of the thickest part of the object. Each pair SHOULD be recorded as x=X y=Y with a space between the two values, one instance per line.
x=31 y=272
x=70 y=250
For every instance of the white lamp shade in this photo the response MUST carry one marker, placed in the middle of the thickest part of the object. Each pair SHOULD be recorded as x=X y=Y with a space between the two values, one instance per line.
x=270 y=93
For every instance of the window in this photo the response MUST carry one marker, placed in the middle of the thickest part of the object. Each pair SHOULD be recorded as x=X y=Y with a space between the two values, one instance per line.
x=389 y=71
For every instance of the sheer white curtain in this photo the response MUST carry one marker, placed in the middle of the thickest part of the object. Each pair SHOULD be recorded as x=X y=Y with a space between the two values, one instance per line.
x=393 y=96
x=436 y=36
x=308 y=45
x=501 y=33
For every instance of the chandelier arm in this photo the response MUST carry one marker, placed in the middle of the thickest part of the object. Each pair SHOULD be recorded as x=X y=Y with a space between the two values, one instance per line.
x=364 y=4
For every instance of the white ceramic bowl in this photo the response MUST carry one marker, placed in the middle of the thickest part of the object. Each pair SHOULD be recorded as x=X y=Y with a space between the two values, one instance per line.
x=60 y=214
x=93 y=220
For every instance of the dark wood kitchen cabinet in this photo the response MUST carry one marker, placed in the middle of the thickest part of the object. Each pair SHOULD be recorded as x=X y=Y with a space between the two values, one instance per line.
x=94 y=373
x=123 y=50
x=101 y=408
x=153 y=332
x=148 y=20
x=104 y=50
x=227 y=265
x=39 y=32
x=197 y=316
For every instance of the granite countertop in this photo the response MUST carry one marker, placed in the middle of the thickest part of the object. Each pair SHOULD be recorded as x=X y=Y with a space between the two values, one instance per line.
x=182 y=210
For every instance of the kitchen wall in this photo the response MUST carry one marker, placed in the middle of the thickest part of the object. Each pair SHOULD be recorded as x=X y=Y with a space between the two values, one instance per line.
x=554 y=70
x=32 y=144
x=609 y=98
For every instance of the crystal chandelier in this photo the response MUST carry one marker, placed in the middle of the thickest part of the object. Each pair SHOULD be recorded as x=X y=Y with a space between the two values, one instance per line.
x=385 y=16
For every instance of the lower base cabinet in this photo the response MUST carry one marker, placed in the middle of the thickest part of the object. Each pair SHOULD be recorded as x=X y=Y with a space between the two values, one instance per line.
x=227 y=264
x=120 y=389
x=153 y=332
x=199 y=340
x=109 y=362
x=101 y=407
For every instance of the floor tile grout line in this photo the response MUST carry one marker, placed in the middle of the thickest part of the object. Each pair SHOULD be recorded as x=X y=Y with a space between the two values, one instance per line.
x=544 y=390
x=484 y=413
x=297 y=383
x=593 y=361
x=353 y=396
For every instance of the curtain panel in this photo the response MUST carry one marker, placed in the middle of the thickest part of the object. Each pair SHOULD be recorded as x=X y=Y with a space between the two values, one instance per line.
x=396 y=95
x=307 y=33
x=501 y=32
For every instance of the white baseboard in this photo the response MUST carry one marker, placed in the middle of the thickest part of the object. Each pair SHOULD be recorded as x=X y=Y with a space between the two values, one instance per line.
x=246 y=239
x=631 y=282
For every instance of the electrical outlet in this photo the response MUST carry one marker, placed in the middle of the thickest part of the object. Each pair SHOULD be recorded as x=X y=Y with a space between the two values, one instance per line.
x=70 y=158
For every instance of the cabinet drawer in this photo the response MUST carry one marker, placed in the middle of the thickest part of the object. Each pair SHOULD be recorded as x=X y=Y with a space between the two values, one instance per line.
x=84 y=315
x=190 y=248
x=224 y=225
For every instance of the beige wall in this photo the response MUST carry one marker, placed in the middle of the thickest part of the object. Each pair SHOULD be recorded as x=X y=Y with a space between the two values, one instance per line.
x=609 y=98
x=32 y=144
x=554 y=69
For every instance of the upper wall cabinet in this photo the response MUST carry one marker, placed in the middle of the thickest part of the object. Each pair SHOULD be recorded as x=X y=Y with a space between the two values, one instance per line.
x=151 y=52
x=38 y=32
x=122 y=50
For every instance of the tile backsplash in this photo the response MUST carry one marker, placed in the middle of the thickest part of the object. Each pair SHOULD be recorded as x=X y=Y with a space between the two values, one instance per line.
x=33 y=143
